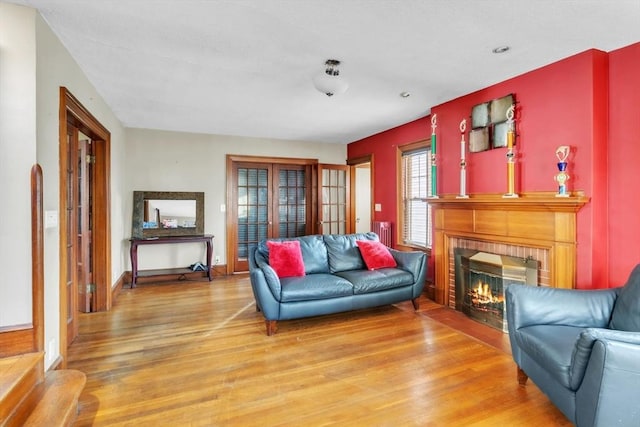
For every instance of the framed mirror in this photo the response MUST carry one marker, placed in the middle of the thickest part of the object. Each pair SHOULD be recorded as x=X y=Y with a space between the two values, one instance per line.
x=167 y=213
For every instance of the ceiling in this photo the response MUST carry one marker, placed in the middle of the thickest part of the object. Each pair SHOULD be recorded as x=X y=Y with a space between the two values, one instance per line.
x=245 y=67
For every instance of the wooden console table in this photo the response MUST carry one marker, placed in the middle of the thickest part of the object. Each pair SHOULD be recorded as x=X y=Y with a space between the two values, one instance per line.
x=135 y=242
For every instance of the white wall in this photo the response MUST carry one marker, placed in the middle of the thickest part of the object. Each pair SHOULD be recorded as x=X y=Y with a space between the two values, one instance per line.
x=175 y=161
x=17 y=156
x=56 y=68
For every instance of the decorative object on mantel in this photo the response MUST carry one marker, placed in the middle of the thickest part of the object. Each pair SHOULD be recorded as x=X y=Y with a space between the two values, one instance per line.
x=434 y=166
x=562 y=152
x=511 y=135
x=463 y=163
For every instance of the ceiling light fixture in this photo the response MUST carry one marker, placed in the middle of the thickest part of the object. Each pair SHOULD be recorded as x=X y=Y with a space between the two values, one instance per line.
x=501 y=49
x=329 y=82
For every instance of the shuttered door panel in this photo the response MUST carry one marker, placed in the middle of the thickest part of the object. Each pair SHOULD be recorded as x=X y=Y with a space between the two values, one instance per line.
x=253 y=213
x=292 y=211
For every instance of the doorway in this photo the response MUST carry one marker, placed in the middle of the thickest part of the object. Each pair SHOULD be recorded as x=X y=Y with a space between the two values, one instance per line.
x=361 y=194
x=85 y=243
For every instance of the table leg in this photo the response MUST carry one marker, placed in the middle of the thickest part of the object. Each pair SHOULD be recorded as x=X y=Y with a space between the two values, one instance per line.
x=133 y=254
x=209 y=257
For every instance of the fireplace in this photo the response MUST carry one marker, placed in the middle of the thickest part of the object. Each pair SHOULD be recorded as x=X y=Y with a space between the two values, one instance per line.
x=480 y=281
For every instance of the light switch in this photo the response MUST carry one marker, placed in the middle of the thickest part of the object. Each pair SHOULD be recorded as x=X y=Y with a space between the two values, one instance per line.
x=50 y=219
x=378 y=207
x=223 y=208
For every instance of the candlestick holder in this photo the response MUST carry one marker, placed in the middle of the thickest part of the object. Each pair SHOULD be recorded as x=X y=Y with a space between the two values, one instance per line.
x=562 y=153
x=511 y=174
x=434 y=165
x=463 y=163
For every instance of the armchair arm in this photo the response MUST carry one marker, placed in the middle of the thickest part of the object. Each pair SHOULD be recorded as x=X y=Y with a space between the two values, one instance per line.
x=584 y=347
x=414 y=262
x=609 y=394
x=533 y=305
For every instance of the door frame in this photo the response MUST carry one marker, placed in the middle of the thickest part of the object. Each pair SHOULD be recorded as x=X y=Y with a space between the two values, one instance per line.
x=72 y=110
x=353 y=164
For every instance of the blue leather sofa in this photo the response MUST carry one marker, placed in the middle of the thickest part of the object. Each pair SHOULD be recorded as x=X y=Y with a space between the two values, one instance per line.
x=581 y=348
x=336 y=279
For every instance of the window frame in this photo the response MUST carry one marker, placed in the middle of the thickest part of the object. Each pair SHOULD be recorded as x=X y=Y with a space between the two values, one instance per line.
x=402 y=151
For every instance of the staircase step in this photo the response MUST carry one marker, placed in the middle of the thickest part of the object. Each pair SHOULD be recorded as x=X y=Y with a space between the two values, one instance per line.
x=19 y=376
x=58 y=403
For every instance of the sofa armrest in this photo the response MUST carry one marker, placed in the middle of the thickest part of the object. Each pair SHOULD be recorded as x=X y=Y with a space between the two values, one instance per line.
x=266 y=290
x=414 y=262
x=609 y=394
x=533 y=305
x=584 y=347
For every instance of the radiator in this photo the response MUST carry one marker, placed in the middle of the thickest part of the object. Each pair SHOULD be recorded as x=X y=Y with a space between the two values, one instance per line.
x=383 y=230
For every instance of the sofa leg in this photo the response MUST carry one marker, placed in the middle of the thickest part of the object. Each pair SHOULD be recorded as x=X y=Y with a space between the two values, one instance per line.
x=522 y=377
x=272 y=326
x=416 y=304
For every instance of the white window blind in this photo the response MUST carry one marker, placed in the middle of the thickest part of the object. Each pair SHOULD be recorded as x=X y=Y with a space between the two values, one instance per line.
x=416 y=189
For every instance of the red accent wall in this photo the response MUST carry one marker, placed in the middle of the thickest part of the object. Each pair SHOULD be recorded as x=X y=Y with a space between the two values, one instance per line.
x=624 y=163
x=564 y=103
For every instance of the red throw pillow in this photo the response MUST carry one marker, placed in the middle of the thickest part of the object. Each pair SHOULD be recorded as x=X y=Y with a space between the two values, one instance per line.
x=375 y=254
x=286 y=258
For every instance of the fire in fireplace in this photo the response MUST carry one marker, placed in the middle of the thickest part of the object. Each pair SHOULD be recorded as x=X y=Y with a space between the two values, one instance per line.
x=480 y=281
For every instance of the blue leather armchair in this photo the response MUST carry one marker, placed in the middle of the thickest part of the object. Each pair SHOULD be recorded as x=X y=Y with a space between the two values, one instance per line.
x=581 y=348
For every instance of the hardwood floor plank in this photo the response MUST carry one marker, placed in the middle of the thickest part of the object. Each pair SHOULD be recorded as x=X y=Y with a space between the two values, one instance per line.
x=196 y=353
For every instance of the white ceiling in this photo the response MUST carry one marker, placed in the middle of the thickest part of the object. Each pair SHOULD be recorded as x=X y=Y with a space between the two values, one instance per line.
x=245 y=67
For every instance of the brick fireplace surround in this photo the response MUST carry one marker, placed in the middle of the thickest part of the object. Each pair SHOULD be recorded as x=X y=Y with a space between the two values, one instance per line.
x=539 y=225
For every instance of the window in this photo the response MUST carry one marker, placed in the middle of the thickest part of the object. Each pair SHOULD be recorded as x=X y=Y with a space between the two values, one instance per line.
x=415 y=181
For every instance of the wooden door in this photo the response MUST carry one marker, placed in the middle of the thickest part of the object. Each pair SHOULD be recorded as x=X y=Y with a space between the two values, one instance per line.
x=334 y=199
x=78 y=244
x=291 y=214
x=84 y=209
x=251 y=209
x=268 y=201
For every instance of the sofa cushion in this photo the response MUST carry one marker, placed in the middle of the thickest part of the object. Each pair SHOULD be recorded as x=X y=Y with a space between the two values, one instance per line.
x=551 y=347
x=375 y=254
x=314 y=287
x=314 y=252
x=626 y=311
x=286 y=258
x=343 y=251
x=366 y=281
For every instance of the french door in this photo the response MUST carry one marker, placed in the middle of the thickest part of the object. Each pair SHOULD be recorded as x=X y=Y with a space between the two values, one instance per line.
x=334 y=199
x=78 y=230
x=269 y=200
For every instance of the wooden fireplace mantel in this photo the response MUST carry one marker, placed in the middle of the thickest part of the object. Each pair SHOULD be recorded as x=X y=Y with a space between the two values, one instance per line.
x=538 y=220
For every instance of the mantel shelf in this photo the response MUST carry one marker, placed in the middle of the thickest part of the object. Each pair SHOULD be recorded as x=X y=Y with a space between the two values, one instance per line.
x=526 y=202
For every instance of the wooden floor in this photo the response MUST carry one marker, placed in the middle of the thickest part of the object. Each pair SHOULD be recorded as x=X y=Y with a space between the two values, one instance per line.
x=196 y=354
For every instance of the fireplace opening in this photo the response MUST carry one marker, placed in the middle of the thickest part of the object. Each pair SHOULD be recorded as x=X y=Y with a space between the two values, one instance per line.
x=480 y=281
